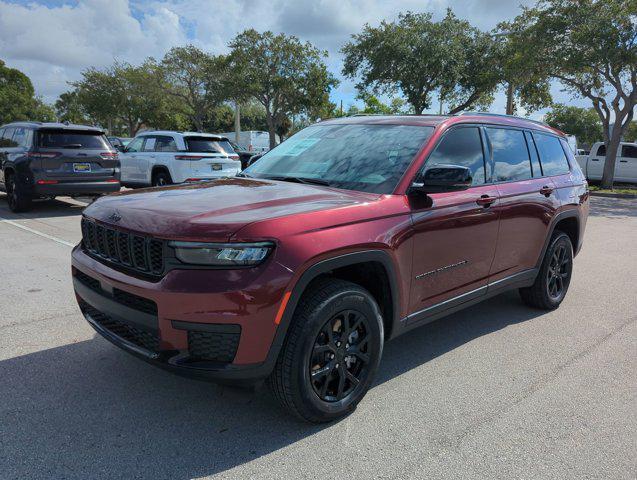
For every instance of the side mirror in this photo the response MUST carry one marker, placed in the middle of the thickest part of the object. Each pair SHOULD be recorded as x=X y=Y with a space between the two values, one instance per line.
x=443 y=178
x=120 y=148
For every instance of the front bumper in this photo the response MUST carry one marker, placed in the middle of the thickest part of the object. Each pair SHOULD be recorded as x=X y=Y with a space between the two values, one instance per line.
x=227 y=309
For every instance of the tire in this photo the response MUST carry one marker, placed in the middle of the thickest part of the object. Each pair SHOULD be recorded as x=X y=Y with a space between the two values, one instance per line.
x=161 y=179
x=552 y=283
x=337 y=306
x=16 y=198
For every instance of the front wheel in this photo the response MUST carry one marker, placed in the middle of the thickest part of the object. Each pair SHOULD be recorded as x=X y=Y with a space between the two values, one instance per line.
x=331 y=352
x=554 y=278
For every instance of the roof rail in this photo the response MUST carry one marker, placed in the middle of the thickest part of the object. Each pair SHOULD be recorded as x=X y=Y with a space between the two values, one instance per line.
x=503 y=115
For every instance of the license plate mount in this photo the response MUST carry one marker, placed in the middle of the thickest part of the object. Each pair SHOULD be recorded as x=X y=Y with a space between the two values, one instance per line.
x=81 y=168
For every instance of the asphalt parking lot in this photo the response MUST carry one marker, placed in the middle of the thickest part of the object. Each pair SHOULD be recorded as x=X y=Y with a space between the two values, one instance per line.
x=496 y=391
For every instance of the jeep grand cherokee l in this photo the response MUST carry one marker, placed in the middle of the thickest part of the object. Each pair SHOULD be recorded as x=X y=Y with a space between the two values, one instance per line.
x=48 y=159
x=350 y=233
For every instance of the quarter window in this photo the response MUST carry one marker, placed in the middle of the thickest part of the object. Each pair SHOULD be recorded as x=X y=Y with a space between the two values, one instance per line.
x=165 y=144
x=462 y=147
x=510 y=154
x=552 y=156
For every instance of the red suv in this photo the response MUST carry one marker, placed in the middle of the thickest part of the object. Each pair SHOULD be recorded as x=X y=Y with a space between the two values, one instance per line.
x=350 y=233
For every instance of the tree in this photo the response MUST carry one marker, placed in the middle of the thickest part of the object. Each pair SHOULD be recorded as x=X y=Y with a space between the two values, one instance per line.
x=584 y=123
x=590 y=47
x=284 y=75
x=18 y=100
x=630 y=134
x=69 y=109
x=122 y=93
x=417 y=57
x=196 y=79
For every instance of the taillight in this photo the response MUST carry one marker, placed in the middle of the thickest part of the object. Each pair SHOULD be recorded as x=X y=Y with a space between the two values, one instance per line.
x=47 y=182
x=233 y=157
x=112 y=180
x=109 y=155
x=189 y=157
x=43 y=155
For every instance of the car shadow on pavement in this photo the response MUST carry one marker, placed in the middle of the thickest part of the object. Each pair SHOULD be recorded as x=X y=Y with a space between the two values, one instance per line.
x=89 y=410
x=613 y=207
x=45 y=208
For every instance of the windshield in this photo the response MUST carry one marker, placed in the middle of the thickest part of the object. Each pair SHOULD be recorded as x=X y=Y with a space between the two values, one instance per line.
x=370 y=158
x=72 y=139
x=208 y=145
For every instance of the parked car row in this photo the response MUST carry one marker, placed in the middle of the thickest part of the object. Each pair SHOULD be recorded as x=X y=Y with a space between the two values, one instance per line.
x=43 y=160
x=48 y=159
x=625 y=165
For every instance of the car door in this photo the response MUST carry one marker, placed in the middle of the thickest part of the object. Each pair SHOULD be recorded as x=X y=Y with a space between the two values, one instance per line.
x=528 y=200
x=7 y=147
x=455 y=233
x=128 y=161
x=165 y=148
x=627 y=164
x=595 y=165
x=2 y=156
x=146 y=160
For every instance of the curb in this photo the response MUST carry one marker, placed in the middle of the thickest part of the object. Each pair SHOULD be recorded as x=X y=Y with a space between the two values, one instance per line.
x=613 y=195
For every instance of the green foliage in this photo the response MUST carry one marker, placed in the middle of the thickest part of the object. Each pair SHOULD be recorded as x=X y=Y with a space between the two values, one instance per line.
x=630 y=134
x=197 y=81
x=69 y=109
x=590 y=47
x=287 y=77
x=584 y=123
x=18 y=100
x=417 y=57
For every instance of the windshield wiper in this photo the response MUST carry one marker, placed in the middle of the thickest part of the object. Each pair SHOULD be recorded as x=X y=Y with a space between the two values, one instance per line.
x=306 y=180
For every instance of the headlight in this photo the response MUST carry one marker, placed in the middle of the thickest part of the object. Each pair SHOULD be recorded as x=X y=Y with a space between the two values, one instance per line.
x=221 y=254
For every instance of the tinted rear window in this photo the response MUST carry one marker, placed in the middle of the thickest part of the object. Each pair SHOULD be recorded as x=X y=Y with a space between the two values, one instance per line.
x=629 y=151
x=208 y=145
x=72 y=139
x=552 y=154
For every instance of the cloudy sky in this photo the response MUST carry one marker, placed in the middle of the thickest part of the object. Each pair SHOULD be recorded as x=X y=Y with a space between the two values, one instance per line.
x=52 y=41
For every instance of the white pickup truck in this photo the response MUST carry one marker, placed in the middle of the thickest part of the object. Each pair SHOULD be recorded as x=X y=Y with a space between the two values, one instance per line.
x=625 y=166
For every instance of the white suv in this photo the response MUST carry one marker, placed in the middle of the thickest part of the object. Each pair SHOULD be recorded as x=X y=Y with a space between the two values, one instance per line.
x=161 y=158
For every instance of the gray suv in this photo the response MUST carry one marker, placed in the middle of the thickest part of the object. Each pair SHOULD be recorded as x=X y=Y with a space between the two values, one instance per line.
x=48 y=159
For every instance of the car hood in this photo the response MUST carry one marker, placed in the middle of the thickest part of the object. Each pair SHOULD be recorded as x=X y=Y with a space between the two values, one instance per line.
x=215 y=210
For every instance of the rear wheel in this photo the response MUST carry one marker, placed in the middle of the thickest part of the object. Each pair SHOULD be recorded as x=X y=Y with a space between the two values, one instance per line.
x=16 y=198
x=554 y=278
x=161 y=179
x=331 y=352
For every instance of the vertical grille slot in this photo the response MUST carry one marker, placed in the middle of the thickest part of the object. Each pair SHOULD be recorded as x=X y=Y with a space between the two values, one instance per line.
x=143 y=254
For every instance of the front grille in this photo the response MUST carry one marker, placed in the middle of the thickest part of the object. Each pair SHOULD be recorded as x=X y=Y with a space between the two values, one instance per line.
x=134 y=301
x=142 y=254
x=214 y=347
x=134 y=335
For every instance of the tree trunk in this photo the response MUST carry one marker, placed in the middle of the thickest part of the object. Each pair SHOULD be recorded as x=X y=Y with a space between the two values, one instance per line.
x=612 y=147
x=509 y=99
x=237 y=122
x=271 y=131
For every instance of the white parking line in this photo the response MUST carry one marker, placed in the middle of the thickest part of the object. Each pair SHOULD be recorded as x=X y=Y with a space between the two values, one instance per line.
x=41 y=234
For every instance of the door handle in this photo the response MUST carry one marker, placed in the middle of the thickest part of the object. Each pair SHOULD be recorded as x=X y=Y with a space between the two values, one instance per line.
x=623 y=161
x=546 y=191
x=486 y=201
x=594 y=160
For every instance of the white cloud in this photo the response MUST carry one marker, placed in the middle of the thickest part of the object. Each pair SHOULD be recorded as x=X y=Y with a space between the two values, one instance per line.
x=53 y=44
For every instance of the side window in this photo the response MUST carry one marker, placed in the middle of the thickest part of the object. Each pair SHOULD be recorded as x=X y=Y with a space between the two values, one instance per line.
x=629 y=151
x=552 y=154
x=601 y=151
x=535 y=160
x=510 y=155
x=149 y=145
x=135 y=145
x=462 y=147
x=165 y=144
x=22 y=137
x=7 y=138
